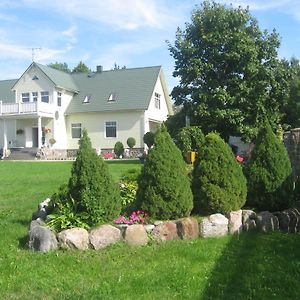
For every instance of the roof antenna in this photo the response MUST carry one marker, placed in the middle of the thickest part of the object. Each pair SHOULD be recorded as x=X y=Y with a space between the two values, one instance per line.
x=33 y=50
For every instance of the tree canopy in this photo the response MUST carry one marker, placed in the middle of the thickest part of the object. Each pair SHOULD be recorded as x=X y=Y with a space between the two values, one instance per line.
x=229 y=71
x=81 y=68
x=60 y=66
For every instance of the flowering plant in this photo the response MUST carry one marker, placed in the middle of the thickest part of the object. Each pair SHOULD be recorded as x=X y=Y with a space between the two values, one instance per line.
x=108 y=155
x=47 y=130
x=137 y=217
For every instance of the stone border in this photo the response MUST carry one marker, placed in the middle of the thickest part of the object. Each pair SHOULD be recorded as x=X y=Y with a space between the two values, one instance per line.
x=43 y=239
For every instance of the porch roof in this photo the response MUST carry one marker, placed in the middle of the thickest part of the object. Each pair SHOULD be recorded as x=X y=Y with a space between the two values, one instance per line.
x=6 y=94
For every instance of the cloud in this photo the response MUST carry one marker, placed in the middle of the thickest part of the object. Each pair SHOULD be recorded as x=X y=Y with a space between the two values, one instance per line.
x=260 y=5
x=70 y=34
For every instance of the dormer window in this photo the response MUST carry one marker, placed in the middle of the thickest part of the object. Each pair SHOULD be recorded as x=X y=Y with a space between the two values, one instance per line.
x=112 y=97
x=35 y=77
x=87 y=99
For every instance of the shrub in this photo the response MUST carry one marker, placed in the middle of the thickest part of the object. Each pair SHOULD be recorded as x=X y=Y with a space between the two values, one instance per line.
x=119 y=149
x=91 y=185
x=218 y=184
x=131 y=142
x=163 y=186
x=267 y=172
x=149 y=139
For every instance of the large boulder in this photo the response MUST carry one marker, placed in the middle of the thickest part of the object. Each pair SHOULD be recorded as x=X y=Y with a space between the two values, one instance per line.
x=41 y=237
x=166 y=231
x=136 y=235
x=188 y=228
x=266 y=221
x=104 y=236
x=44 y=204
x=283 y=219
x=248 y=219
x=40 y=215
x=235 y=222
x=214 y=225
x=74 y=238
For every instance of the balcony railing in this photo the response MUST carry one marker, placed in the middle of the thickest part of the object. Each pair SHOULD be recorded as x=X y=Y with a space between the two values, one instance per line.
x=28 y=108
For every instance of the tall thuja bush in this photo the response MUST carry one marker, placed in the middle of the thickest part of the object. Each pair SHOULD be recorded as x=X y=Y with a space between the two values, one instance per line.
x=219 y=185
x=163 y=186
x=91 y=185
x=268 y=172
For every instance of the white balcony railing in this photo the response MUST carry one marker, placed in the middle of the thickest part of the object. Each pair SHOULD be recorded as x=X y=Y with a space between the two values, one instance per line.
x=27 y=108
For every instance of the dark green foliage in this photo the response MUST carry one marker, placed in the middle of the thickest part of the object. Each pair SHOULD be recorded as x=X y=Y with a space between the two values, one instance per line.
x=219 y=185
x=81 y=68
x=60 y=66
x=163 y=186
x=91 y=185
x=119 y=149
x=131 y=142
x=268 y=172
x=149 y=139
x=189 y=139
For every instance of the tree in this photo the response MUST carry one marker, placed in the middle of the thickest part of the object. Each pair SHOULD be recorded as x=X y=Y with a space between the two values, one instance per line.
x=60 y=66
x=268 y=171
x=91 y=185
x=81 y=68
x=149 y=139
x=131 y=142
x=163 y=186
x=230 y=76
x=219 y=185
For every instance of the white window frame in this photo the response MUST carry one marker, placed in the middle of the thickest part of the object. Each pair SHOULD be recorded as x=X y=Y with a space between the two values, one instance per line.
x=108 y=124
x=59 y=96
x=35 y=96
x=157 y=98
x=45 y=96
x=76 y=126
x=25 y=96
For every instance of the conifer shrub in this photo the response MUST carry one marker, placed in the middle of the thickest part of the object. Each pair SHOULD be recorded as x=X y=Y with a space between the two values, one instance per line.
x=119 y=149
x=91 y=186
x=268 y=172
x=131 y=142
x=163 y=186
x=218 y=184
x=149 y=139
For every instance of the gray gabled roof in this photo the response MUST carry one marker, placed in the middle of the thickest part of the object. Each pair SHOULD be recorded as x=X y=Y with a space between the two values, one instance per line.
x=6 y=93
x=132 y=89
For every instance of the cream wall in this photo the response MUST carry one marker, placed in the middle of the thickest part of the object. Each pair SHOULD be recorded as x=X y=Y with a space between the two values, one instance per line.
x=129 y=124
x=10 y=132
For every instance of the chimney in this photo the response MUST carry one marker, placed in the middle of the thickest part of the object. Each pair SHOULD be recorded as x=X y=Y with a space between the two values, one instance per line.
x=99 y=69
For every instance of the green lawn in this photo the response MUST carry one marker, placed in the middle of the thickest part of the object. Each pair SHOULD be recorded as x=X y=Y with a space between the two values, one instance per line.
x=251 y=266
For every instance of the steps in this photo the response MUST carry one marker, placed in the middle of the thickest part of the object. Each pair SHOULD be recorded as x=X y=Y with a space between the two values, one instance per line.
x=22 y=154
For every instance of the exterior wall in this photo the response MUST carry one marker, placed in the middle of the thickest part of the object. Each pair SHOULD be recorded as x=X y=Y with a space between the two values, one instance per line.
x=153 y=114
x=10 y=132
x=129 y=124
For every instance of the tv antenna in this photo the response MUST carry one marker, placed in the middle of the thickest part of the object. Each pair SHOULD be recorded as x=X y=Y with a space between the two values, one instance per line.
x=33 y=51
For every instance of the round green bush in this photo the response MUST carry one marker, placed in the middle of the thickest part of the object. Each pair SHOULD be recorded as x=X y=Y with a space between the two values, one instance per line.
x=268 y=172
x=131 y=142
x=149 y=139
x=163 y=186
x=119 y=149
x=218 y=184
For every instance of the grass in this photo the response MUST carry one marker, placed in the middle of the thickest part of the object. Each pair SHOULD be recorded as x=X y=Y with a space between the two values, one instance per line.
x=250 y=266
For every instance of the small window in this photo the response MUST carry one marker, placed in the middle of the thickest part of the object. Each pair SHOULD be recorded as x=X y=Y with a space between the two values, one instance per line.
x=112 y=97
x=87 y=99
x=58 y=99
x=157 y=100
x=76 y=130
x=35 y=77
x=45 y=97
x=34 y=96
x=111 y=129
x=25 y=97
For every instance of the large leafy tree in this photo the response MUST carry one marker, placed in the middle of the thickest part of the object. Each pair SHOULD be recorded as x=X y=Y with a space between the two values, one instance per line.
x=81 y=68
x=230 y=75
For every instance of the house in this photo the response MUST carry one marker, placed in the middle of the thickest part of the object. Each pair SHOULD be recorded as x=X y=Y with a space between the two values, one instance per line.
x=49 y=108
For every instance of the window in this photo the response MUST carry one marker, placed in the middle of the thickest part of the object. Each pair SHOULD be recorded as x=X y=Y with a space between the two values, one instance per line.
x=25 y=97
x=76 y=130
x=45 y=97
x=111 y=129
x=87 y=99
x=112 y=97
x=35 y=77
x=58 y=99
x=34 y=96
x=157 y=100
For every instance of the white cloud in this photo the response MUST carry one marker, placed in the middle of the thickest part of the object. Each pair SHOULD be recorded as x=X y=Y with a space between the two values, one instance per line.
x=70 y=34
x=259 y=4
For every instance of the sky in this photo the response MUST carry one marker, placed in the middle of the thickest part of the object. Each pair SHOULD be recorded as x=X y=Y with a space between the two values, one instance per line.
x=126 y=32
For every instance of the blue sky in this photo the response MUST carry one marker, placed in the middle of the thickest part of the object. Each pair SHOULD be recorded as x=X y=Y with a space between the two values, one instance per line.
x=126 y=32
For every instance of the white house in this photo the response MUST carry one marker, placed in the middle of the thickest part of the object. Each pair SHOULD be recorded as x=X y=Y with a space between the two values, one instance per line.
x=45 y=104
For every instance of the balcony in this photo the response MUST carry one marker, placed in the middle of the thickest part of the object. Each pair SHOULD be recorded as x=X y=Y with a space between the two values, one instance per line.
x=37 y=108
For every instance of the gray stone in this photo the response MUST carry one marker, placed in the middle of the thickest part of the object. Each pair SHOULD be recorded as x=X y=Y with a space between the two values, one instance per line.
x=122 y=228
x=44 y=204
x=136 y=235
x=40 y=214
x=104 y=236
x=283 y=219
x=41 y=238
x=235 y=222
x=248 y=214
x=265 y=221
x=249 y=225
x=297 y=214
x=74 y=238
x=214 y=225
x=166 y=231
x=149 y=227
x=188 y=228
